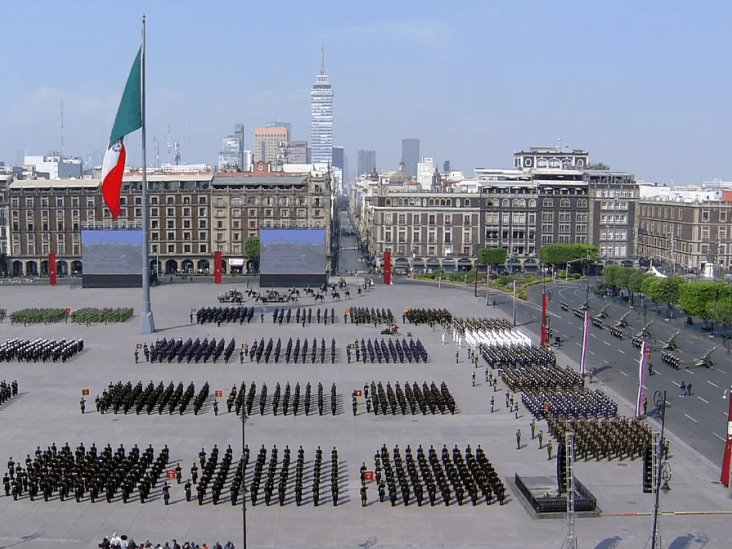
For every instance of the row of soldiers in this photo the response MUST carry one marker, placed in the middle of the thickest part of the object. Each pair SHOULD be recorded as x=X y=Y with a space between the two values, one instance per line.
x=219 y=315
x=512 y=357
x=364 y=315
x=443 y=317
x=40 y=350
x=672 y=359
x=604 y=438
x=74 y=474
x=190 y=350
x=467 y=476
x=123 y=397
x=8 y=389
x=297 y=352
x=376 y=350
x=482 y=324
x=533 y=379
x=410 y=399
x=281 y=402
x=580 y=402
x=303 y=316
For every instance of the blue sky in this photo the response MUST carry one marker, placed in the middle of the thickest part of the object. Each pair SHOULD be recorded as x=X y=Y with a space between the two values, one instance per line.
x=642 y=85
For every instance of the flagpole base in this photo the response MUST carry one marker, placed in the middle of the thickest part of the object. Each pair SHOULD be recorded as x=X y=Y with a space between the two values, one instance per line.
x=147 y=323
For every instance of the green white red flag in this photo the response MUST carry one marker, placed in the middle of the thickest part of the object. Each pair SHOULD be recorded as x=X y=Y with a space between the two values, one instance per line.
x=128 y=119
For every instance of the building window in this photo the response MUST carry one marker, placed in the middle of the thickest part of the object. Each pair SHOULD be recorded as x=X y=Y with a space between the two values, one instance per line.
x=171 y=248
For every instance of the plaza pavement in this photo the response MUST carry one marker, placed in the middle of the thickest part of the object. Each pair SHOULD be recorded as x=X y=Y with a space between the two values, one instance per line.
x=696 y=510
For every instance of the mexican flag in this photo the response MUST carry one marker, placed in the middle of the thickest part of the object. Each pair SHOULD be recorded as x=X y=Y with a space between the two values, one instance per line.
x=128 y=119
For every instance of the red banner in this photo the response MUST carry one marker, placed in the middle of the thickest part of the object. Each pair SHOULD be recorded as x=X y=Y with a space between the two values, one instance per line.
x=219 y=393
x=218 y=268
x=728 y=446
x=52 y=269
x=171 y=474
x=85 y=392
x=368 y=476
x=544 y=316
x=387 y=267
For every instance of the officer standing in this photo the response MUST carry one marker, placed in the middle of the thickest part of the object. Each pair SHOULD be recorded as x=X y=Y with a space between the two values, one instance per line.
x=82 y=405
x=518 y=439
x=166 y=493
x=549 y=450
x=363 y=496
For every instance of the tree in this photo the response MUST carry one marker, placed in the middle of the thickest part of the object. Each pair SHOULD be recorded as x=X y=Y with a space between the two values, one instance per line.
x=561 y=254
x=622 y=277
x=694 y=297
x=611 y=275
x=251 y=250
x=636 y=279
x=720 y=310
x=493 y=256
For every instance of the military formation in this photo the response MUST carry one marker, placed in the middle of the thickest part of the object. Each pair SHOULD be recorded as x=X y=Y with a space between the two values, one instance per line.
x=40 y=350
x=528 y=378
x=124 y=398
x=364 y=315
x=293 y=351
x=394 y=351
x=8 y=389
x=411 y=399
x=517 y=357
x=454 y=477
x=431 y=317
x=672 y=359
x=169 y=350
x=575 y=403
x=602 y=438
x=462 y=325
x=84 y=473
x=282 y=402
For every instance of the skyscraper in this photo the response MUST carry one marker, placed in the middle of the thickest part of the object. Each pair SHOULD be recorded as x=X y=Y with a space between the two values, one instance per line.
x=366 y=161
x=410 y=155
x=321 y=116
x=232 y=153
x=339 y=157
x=269 y=142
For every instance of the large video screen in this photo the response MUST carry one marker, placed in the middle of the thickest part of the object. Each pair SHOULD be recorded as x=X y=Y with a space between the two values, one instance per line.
x=292 y=251
x=111 y=252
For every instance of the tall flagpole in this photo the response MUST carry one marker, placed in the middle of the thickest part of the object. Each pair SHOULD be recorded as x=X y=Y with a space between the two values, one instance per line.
x=147 y=322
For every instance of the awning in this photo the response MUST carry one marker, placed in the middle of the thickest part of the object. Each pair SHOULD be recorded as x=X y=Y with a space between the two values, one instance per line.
x=236 y=262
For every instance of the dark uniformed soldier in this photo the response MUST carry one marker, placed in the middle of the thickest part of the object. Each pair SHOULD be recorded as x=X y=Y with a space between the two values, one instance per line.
x=166 y=493
x=188 y=490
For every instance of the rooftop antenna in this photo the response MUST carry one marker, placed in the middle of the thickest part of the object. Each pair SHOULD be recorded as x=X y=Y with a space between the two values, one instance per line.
x=168 y=143
x=157 y=152
x=322 y=56
x=177 y=153
x=62 y=127
x=559 y=143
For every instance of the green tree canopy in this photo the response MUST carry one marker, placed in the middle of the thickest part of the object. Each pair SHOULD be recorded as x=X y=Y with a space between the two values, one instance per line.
x=720 y=310
x=695 y=296
x=251 y=248
x=561 y=254
x=493 y=256
x=636 y=279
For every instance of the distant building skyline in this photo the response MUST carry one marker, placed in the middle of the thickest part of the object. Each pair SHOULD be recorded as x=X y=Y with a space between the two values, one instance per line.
x=232 y=150
x=268 y=141
x=321 y=116
x=365 y=161
x=410 y=155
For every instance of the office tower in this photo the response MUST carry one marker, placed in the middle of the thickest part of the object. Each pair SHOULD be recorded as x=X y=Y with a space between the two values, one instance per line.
x=232 y=150
x=321 y=116
x=366 y=161
x=268 y=143
x=297 y=152
x=410 y=155
x=339 y=157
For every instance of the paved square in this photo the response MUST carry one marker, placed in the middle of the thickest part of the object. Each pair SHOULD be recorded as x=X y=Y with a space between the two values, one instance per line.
x=47 y=410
